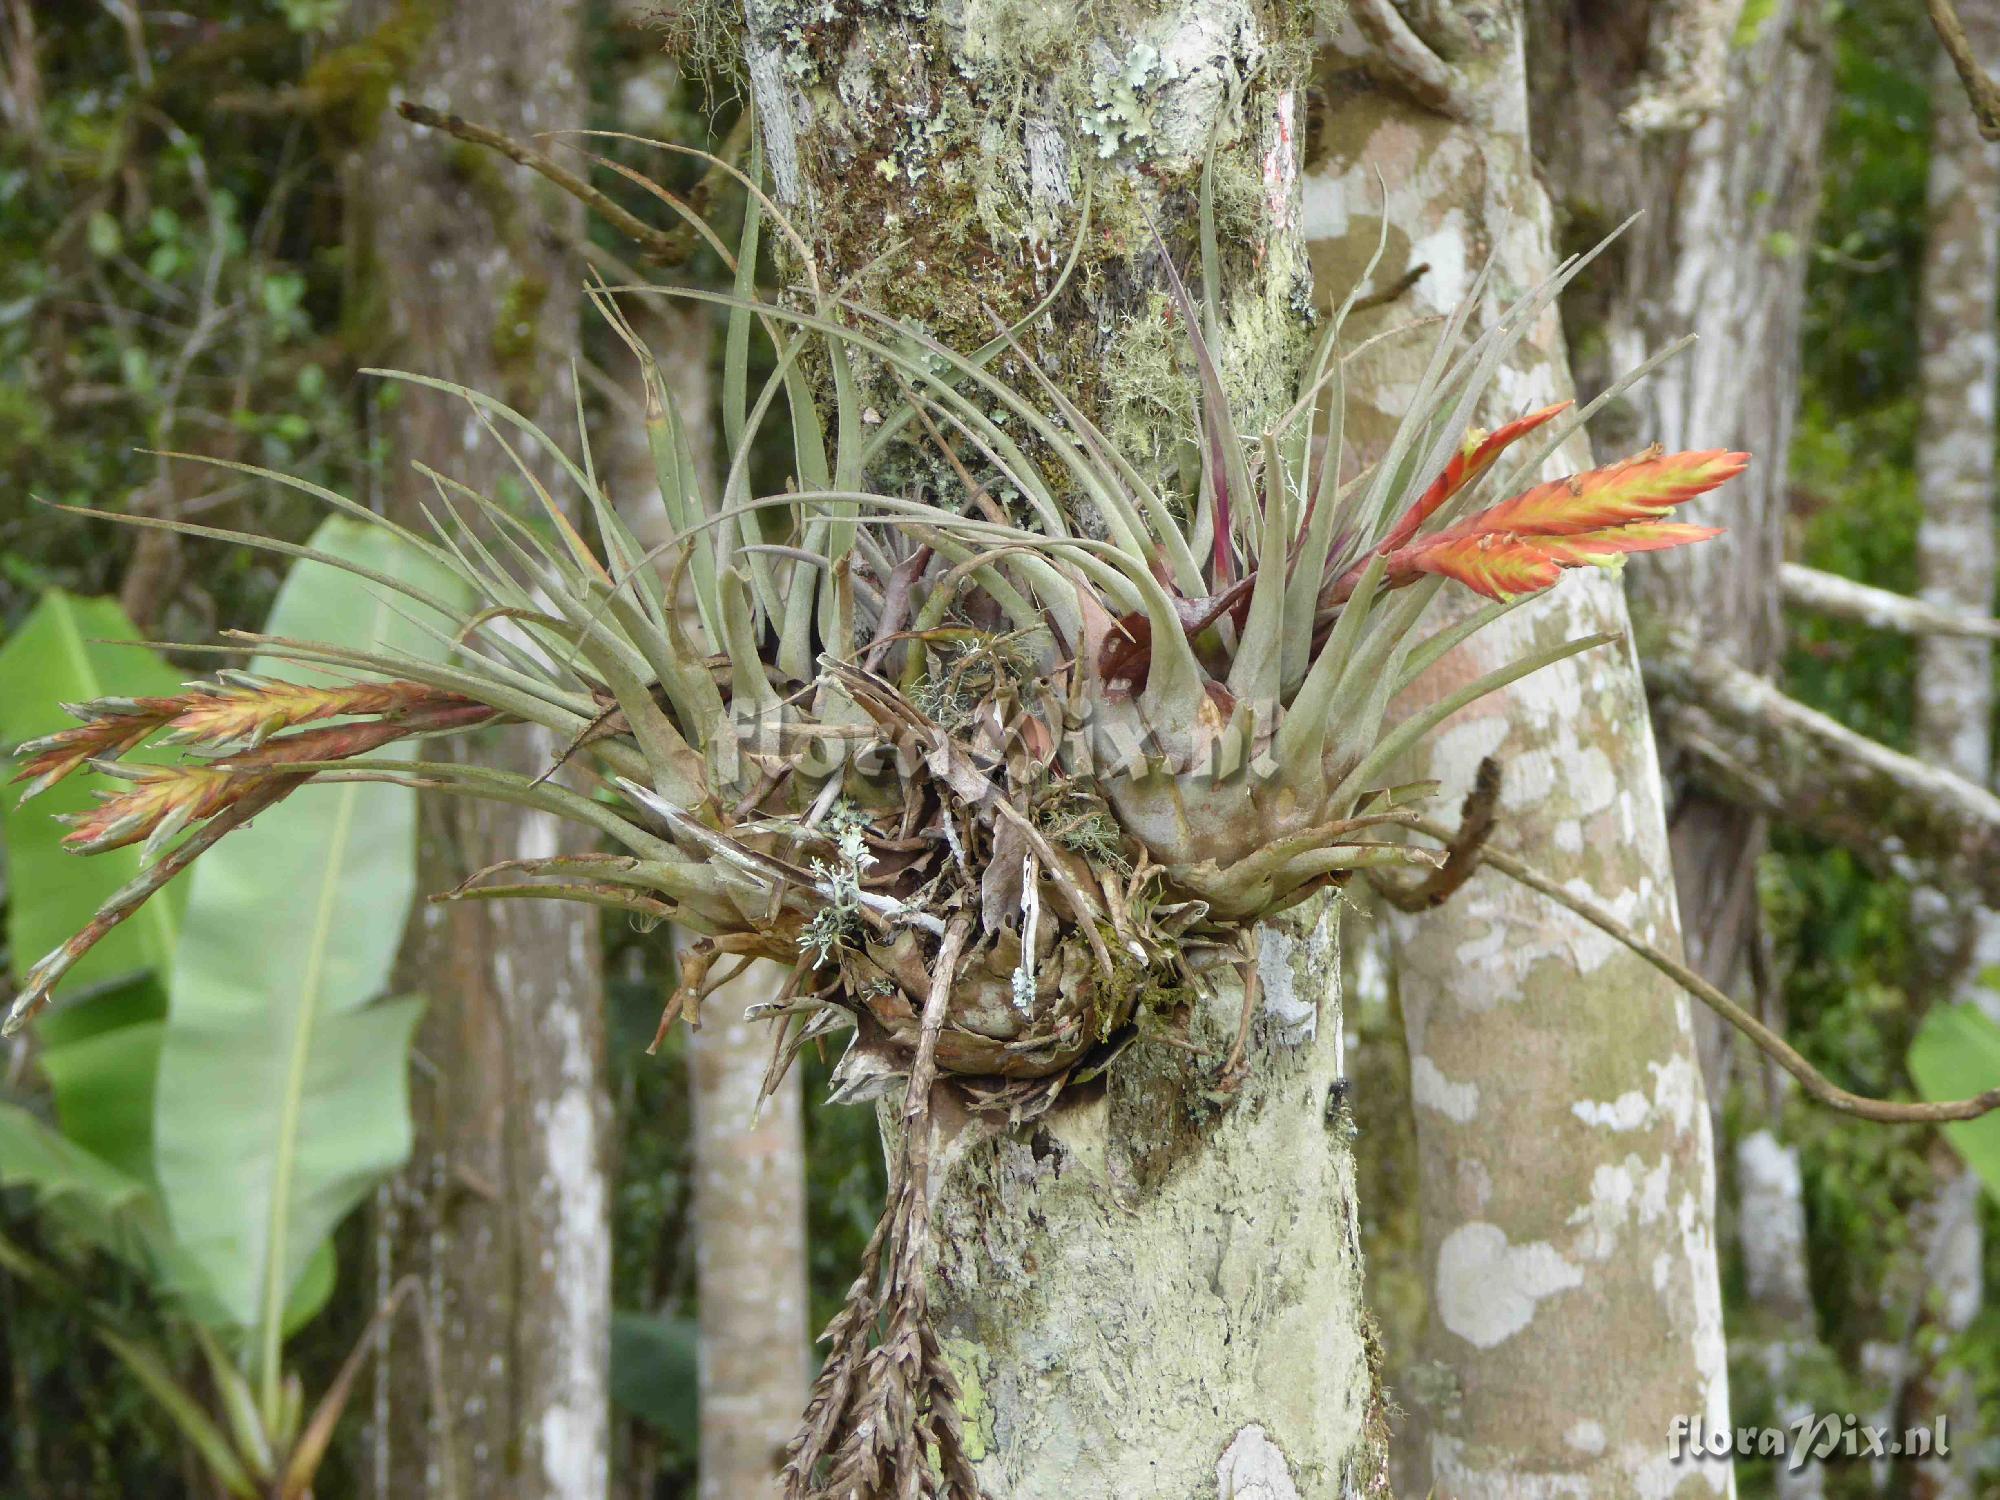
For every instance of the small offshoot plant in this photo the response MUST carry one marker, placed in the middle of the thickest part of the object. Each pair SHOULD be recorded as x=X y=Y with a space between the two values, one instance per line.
x=988 y=772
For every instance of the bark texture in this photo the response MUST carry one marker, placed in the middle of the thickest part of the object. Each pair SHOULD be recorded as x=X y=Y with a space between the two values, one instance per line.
x=504 y=1210
x=1143 y=1297
x=1565 y=1169
x=1902 y=816
x=750 y=1246
x=1729 y=199
x=1729 y=191
x=1144 y=1292
x=1959 y=359
x=1955 y=444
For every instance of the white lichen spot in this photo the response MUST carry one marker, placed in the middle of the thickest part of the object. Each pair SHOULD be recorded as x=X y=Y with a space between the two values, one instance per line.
x=1458 y=1101
x=1586 y=1436
x=1628 y=1111
x=1466 y=742
x=1593 y=784
x=1613 y=1188
x=1475 y=1183
x=1253 y=1467
x=1295 y=1018
x=1488 y=1289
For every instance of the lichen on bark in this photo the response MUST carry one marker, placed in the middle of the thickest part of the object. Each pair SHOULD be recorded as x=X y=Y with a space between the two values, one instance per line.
x=944 y=153
x=1566 y=1176
x=1132 y=1285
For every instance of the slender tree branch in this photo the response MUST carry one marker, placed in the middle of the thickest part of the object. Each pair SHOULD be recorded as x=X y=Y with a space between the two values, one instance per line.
x=666 y=246
x=1879 y=609
x=1407 y=59
x=1815 y=1083
x=1747 y=741
x=1981 y=91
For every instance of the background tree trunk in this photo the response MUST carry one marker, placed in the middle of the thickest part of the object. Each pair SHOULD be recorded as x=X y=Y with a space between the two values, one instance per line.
x=1959 y=349
x=1729 y=191
x=1140 y=1294
x=504 y=1209
x=749 y=1168
x=750 y=1245
x=1565 y=1169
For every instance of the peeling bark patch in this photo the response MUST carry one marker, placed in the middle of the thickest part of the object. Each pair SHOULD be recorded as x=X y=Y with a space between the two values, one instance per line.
x=1253 y=1467
x=1487 y=1289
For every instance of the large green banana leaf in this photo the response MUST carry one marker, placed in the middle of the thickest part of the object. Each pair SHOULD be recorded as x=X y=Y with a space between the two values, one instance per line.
x=282 y=1094
x=1957 y=1054
x=64 y=653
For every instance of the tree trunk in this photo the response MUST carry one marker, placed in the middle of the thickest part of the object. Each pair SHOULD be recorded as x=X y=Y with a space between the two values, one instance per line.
x=1729 y=201
x=1142 y=1293
x=504 y=1211
x=1729 y=193
x=1565 y=1168
x=750 y=1246
x=1959 y=352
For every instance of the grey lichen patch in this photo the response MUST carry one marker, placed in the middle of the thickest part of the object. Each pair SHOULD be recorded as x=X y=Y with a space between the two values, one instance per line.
x=1253 y=1467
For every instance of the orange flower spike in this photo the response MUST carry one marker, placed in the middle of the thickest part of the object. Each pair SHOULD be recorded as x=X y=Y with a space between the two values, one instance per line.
x=1474 y=457
x=1496 y=565
x=1616 y=541
x=1642 y=488
x=1521 y=545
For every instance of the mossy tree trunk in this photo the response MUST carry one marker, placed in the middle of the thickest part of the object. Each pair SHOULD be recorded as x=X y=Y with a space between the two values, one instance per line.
x=1566 y=1175
x=468 y=271
x=1146 y=1292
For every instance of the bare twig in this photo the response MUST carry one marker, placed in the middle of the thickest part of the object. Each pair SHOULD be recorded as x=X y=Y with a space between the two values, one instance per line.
x=665 y=246
x=1879 y=609
x=1475 y=826
x=1407 y=59
x=1981 y=91
x=1383 y=296
x=1816 y=1084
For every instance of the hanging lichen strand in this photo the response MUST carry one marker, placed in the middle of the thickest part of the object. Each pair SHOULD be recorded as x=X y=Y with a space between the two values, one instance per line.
x=989 y=784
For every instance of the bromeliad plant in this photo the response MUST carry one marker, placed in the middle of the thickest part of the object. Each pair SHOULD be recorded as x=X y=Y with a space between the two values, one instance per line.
x=988 y=771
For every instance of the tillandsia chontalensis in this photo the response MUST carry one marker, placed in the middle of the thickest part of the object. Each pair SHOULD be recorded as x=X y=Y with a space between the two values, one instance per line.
x=988 y=772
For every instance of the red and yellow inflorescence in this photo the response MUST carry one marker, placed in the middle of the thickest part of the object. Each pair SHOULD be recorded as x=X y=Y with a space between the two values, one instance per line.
x=158 y=801
x=1523 y=544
